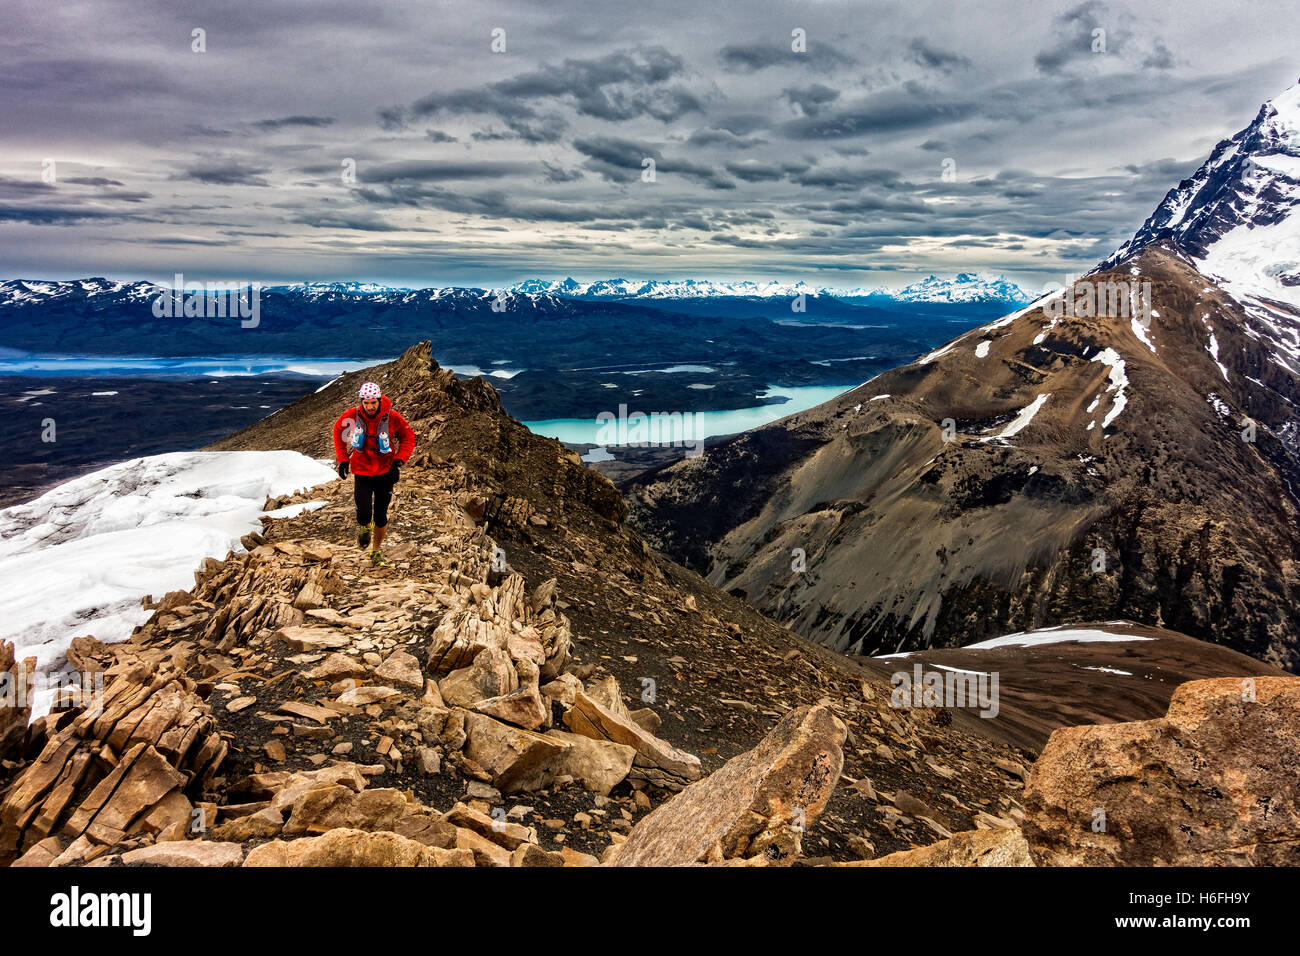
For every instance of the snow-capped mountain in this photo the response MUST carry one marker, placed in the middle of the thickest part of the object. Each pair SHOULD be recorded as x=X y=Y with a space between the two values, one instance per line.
x=657 y=289
x=347 y=288
x=1236 y=217
x=964 y=288
x=20 y=292
x=1098 y=460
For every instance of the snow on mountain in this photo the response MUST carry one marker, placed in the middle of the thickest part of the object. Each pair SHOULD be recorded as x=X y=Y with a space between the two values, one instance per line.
x=966 y=287
x=346 y=288
x=18 y=292
x=78 y=559
x=1236 y=216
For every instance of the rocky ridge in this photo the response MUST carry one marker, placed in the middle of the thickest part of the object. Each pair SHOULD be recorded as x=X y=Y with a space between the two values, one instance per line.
x=469 y=703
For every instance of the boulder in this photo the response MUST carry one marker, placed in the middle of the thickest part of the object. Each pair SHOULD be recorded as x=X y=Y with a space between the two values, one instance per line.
x=564 y=689
x=600 y=765
x=524 y=708
x=330 y=806
x=501 y=832
x=344 y=847
x=312 y=638
x=530 y=854
x=285 y=791
x=517 y=759
x=260 y=825
x=757 y=805
x=460 y=637
x=656 y=760
x=402 y=670
x=186 y=853
x=1215 y=782
x=606 y=693
x=369 y=694
x=526 y=645
x=486 y=853
x=337 y=667
x=492 y=674
x=43 y=853
x=968 y=848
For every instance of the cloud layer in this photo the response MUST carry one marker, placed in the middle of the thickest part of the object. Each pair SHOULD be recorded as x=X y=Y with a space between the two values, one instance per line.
x=483 y=143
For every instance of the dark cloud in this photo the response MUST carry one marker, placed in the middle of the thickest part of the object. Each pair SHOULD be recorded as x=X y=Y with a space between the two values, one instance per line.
x=622 y=161
x=819 y=57
x=620 y=86
x=287 y=122
x=810 y=99
x=361 y=222
x=933 y=58
x=890 y=111
x=438 y=170
x=222 y=171
x=1159 y=58
x=754 y=171
x=1075 y=38
x=712 y=136
x=438 y=136
x=557 y=174
x=54 y=215
x=392 y=118
x=843 y=178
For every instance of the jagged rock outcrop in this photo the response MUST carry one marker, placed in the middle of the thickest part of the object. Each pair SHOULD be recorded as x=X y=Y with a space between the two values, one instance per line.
x=129 y=764
x=755 y=808
x=1215 y=782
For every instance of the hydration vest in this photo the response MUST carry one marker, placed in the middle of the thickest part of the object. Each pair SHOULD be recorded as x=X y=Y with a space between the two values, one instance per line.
x=354 y=433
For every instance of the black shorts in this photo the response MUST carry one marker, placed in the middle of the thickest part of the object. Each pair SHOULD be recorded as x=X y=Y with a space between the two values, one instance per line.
x=373 y=493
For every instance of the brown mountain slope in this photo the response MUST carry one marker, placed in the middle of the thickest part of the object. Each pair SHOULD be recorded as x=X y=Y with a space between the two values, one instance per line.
x=1046 y=680
x=1123 y=488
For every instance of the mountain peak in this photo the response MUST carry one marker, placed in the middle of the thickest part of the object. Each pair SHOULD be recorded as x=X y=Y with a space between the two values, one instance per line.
x=1235 y=217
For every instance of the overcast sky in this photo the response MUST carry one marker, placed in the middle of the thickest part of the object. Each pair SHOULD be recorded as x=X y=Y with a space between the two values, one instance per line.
x=475 y=167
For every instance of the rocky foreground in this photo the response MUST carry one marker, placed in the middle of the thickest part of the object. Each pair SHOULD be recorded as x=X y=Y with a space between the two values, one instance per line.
x=529 y=685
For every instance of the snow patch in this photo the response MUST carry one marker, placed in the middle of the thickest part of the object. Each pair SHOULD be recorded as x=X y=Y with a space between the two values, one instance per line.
x=1140 y=331
x=78 y=559
x=1118 y=382
x=1054 y=636
x=1023 y=418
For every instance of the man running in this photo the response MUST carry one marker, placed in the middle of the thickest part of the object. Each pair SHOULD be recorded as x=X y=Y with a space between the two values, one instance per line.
x=372 y=441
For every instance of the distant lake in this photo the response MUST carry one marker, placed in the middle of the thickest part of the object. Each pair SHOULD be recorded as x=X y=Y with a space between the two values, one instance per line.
x=583 y=431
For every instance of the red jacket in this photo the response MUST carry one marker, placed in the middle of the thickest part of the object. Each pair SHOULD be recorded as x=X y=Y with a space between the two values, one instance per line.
x=368 y=461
